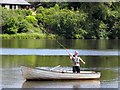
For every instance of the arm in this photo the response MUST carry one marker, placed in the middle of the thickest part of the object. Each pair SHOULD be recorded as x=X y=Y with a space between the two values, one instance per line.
x=82 y=60
x=70 y=56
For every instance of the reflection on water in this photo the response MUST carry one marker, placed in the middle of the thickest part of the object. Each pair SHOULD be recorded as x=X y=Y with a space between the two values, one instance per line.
x=12 y=78
x=68 y=43
x=62 y=84
x=51 y=61
x=12 y=51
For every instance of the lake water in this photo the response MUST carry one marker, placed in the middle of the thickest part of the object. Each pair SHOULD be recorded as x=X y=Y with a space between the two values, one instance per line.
x=99 y=55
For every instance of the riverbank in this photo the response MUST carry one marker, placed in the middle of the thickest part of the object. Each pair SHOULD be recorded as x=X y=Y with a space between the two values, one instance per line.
x=35 y=36
x=28 y=36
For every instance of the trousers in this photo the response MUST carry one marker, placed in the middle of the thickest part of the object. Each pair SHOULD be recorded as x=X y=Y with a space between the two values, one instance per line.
x=76 y=69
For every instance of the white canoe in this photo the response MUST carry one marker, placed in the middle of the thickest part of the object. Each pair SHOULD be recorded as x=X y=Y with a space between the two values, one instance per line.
x=42 y=74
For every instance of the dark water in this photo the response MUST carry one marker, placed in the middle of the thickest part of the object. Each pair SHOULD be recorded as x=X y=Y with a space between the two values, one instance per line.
x=99 y=55
x=68 y=43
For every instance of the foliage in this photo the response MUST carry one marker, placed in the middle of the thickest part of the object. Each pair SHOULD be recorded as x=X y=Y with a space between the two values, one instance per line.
x=81 y=20
x=63 y=22
x=31 y=19
x=11 y=26
x=23 y=27
x=27 y=36
x=18 y=21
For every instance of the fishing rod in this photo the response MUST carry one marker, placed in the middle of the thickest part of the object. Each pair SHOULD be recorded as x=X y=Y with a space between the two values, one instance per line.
x=61 y=45
x=66 y=49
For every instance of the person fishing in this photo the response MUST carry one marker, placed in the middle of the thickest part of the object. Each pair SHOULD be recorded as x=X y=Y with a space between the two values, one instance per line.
x=75 y=58
x=76 y=62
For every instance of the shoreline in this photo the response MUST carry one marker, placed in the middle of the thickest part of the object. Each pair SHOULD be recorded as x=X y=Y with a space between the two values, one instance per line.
x=41 y=36
x=28 y=36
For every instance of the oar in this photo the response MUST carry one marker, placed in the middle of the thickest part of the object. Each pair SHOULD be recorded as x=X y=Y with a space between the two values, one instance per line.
x=55 y=67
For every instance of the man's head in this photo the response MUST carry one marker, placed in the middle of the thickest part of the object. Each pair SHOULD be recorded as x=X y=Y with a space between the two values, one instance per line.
x=76 y=52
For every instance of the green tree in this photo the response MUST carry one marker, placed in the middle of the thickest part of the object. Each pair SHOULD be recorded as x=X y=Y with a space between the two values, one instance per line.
x=63 y=22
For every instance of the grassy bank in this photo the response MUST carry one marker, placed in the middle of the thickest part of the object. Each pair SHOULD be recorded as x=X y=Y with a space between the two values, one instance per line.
x=28 y=36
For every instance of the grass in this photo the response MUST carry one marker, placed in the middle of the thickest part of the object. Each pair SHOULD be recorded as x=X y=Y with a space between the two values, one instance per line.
x=28 y=36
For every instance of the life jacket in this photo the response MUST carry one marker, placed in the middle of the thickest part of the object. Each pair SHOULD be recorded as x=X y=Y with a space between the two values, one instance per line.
x=76 y=61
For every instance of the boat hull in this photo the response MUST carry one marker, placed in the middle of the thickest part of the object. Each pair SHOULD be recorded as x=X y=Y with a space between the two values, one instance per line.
x=40 y=74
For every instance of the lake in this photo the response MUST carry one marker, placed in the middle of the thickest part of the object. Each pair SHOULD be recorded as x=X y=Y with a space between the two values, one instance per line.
x=99 y=55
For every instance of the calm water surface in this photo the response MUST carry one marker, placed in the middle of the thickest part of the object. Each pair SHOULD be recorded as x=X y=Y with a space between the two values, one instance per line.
x=99 y=55
x=16 y=51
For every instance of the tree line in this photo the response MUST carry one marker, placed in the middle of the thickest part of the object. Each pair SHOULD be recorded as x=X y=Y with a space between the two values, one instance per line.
x=81 y=20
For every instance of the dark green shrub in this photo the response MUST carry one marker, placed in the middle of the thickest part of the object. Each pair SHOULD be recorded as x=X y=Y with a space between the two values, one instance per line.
x=11 y=26
x=23 y=27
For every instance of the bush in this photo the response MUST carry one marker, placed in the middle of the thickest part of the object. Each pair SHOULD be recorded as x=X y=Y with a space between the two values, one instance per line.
x=23 y=27
x=28 y=36
x=17 y=21
x=63 y=22
x=11 y=26
x=31 y=19
x=23 y=12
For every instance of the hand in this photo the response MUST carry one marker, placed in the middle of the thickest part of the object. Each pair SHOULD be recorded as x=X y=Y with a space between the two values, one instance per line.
x=84 y=62
x=70 y=54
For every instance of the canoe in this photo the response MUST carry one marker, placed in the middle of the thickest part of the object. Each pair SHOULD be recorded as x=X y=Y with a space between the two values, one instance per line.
x=44 y=74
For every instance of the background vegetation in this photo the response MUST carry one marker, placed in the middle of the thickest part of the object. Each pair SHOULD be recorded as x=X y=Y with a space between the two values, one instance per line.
x=70 y=20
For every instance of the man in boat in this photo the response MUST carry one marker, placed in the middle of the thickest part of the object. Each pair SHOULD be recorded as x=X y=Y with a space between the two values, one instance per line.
x=76 y=60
